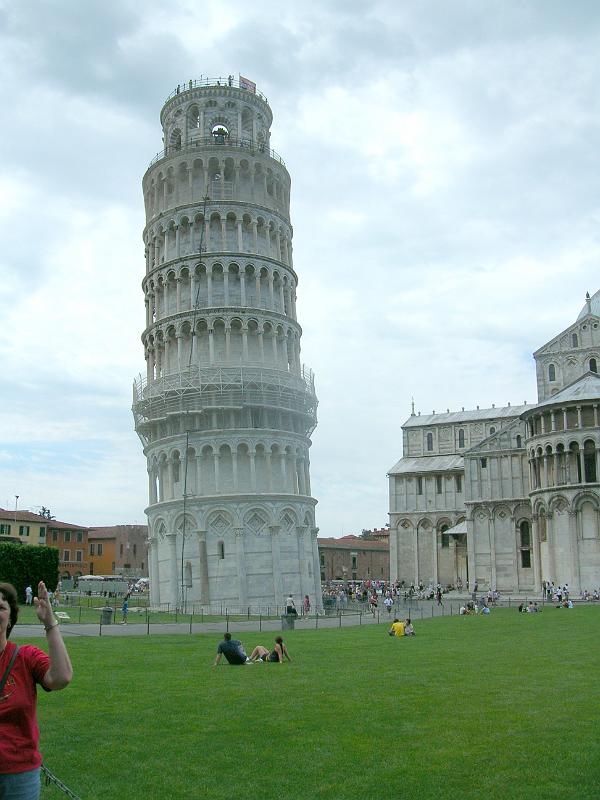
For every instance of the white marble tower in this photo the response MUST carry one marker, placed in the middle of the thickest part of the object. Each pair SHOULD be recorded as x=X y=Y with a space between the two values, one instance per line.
x=226 y=409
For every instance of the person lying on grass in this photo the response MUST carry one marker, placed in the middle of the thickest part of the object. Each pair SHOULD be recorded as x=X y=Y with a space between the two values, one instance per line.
x=275 y=656
x=409 y=628
x=233 y=650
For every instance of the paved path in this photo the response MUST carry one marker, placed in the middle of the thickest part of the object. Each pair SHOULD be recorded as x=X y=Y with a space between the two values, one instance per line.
x=417 y=610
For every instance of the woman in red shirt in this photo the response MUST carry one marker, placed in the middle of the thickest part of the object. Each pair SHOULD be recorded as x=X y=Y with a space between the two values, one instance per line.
x=20 y=759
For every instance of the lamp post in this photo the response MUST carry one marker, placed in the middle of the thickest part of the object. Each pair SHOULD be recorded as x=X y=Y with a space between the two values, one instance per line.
x=16 y=501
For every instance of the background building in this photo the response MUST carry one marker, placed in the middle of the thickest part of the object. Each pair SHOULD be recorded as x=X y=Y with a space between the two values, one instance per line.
x=119 y=550
x=352 y=558
x=508 y=496
x=226 y=409
x=23 y=526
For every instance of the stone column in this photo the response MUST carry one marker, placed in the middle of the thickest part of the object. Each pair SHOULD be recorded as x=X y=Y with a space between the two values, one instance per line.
x=173 y=585
x=271 y=292
x=304 y=582
x=416 y=554
x=574 y=547
x=253 y=225
x=394 y=534
x=276 y=559
x=318 y=604
x=192 y=290
x=240 y=237
x=434 y=565
x=241 y=566
x=537 y=555
x=281 y=297
x=211 y=346
x=203 y=568
x=243 y=287
x=216 y=458
x=209 y=286
x=226 y=286
x=223 y=228
x=151 y=486
x=178 y=294
x=177 y=242
x=153 y=571
x=492 y=537
x=252 y=456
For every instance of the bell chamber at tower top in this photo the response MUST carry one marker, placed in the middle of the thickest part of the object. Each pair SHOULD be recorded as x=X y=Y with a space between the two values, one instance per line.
x=216 y=144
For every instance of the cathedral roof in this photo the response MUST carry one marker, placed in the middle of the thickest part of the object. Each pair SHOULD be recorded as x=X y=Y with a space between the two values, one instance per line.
x=427 y=464
x=591 y=307
x=587 y=387
x=474 y=415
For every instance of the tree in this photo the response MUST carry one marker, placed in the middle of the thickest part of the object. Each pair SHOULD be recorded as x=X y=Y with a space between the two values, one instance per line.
x=45 y=512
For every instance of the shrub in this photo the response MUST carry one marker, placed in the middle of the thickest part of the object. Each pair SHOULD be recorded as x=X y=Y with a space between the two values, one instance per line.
x=24 y=566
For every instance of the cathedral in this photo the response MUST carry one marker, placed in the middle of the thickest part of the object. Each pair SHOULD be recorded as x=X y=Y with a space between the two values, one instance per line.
x=508 y=497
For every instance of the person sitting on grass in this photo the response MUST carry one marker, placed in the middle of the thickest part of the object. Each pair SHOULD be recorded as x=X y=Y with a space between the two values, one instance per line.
x=233 y=650
x=409 y=628
x=275 y=656
x=397 y=628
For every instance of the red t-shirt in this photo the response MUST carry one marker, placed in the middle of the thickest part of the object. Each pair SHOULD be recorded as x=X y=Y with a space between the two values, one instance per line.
x=19 y=733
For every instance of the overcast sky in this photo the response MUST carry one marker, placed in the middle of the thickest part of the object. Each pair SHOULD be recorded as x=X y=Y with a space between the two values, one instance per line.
x=444 y=160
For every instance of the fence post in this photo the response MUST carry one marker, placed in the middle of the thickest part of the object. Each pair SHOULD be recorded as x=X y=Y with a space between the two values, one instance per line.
x=248 y=612
x=80 y=612
x=316 y=621
x=378 y=616
x=100 y=634
x=340 y=619
x=191 y=619
x=260 y=621
x=147 y=625
x=360 y=617
x=226 y=619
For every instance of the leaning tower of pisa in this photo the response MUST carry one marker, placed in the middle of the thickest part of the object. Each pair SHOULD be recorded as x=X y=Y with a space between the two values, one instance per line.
x=226 y=408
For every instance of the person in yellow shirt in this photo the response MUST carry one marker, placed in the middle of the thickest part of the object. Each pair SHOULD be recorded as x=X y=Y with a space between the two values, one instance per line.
x=397 y=628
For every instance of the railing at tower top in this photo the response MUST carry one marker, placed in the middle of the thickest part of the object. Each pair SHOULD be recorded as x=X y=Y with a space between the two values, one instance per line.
x=248 y=145
x=229 y=82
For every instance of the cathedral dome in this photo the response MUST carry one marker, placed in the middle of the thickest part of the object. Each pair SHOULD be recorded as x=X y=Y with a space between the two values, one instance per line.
x=592 y=306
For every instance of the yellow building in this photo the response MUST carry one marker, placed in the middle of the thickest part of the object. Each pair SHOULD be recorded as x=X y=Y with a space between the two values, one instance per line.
x=23 y=526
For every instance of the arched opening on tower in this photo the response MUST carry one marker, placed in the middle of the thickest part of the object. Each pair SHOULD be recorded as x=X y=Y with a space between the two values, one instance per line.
x=220 y=133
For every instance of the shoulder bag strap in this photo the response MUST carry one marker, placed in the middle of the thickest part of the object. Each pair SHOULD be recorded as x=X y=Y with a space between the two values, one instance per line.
x=8 y=669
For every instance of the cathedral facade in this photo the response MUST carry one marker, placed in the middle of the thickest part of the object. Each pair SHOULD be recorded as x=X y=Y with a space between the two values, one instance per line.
x=509 y=497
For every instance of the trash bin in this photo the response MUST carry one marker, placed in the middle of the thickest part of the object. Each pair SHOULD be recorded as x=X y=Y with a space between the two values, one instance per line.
x=106 y=617
x=287 y=622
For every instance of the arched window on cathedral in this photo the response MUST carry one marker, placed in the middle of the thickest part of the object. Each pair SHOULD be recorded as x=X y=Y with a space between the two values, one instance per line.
x=551 y=372
x=461 y=437
x=593 y=365
x=492 y=430
x=525 y=544
x=430 y=441
x=589 y=461
x=519 y=441
x=574 y=340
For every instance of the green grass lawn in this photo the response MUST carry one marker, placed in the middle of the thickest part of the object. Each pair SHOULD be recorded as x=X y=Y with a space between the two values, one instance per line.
x=470 y=709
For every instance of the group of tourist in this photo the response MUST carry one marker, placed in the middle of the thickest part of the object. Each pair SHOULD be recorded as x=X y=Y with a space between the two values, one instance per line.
x=235 y=654
x=401 y=628
x=472 y=608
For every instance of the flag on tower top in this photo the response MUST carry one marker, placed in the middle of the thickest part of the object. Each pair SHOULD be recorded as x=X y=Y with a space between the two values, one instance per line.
x=246 y=84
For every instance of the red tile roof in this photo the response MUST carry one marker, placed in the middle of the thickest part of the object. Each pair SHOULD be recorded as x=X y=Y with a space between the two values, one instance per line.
x=29 y=516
